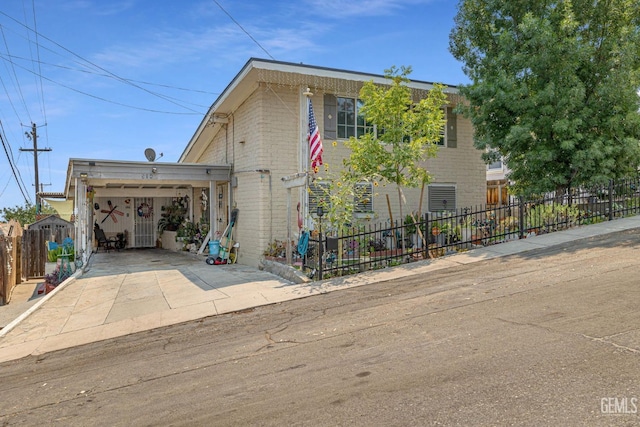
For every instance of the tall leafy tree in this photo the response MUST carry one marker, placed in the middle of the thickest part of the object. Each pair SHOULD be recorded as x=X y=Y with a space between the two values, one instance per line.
x=406 y=135
x=554 y=87
x=23 y=214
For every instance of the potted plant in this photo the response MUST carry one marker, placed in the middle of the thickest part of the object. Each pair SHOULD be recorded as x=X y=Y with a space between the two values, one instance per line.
x=467 y=229
x=409 y=225
x=173 y=215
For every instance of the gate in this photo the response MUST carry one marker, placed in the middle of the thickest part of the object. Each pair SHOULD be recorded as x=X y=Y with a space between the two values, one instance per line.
x=34 y=253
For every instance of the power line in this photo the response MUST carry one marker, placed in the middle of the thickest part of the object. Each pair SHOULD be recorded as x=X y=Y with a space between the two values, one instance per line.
x=64 y=67
x=16 y=81
x=35 y=28
x=12 y=57
x=102 y=69
x=242 y=28
x=193 y=112
x=13 y=168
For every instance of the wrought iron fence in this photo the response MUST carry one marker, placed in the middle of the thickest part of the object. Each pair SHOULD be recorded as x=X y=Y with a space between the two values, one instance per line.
x=371 y=247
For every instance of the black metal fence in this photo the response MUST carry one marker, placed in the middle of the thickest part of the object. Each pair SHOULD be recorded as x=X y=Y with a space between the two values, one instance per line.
x=370 y=247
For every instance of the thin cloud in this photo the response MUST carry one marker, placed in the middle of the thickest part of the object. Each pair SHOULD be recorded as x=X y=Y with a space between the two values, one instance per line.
x=174 y=47
x=99 y=8
x=344 y=10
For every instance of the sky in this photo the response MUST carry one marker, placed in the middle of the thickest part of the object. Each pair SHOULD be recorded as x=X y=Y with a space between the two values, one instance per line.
x=108 y=79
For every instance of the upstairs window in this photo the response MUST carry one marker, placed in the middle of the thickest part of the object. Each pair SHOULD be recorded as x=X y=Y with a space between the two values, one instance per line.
x=350 y=121
x=497 y=165
x=343 y=119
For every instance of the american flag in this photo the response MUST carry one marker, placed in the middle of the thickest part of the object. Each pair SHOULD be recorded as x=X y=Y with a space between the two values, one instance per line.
x=315 y=142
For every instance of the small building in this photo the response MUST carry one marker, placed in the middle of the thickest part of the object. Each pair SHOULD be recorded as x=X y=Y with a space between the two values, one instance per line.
x=57 y=228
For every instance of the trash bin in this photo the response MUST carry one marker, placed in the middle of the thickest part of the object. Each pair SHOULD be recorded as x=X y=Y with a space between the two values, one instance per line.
x=214 y=248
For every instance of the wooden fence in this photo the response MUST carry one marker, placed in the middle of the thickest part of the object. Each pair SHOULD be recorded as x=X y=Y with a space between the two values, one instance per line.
x=34 y=253
x=9 y=266
x=23 y=254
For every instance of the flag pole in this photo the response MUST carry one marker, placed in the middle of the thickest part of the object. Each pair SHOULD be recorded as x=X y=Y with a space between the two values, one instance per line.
x=305 y=211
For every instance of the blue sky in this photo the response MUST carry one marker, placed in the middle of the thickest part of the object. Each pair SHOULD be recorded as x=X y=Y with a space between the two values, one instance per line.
x=107 y=79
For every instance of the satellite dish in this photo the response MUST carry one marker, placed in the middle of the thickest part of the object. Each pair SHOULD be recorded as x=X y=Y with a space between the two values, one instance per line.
x=150 y=154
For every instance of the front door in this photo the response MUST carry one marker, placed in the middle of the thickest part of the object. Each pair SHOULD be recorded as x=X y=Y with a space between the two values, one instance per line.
x=144 y=223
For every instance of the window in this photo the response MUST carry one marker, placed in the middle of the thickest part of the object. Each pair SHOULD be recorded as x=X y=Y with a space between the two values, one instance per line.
x=350 y=121
x=442 y=142
x=342 y=120
x=497 y=165
x=443 y=137
x=449 y=133
x=318 y=195
x=363 y=200
x=441 y=198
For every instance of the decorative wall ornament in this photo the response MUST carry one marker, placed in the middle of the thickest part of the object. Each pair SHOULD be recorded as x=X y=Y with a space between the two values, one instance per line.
x=145 y=211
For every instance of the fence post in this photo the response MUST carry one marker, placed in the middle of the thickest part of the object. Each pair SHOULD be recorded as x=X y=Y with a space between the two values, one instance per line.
x=320 y=254
x=610 y=200
x=427 y=234
x=520 y=217
x=4 y=280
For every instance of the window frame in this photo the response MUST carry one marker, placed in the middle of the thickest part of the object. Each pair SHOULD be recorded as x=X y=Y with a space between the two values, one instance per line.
x=442 y=142
x=359 y=124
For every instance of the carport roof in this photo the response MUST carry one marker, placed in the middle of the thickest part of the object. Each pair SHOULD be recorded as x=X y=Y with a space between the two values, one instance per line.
x=145 y=175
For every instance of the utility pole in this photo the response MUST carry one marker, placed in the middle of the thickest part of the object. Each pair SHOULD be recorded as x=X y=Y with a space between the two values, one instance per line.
x=33 y=135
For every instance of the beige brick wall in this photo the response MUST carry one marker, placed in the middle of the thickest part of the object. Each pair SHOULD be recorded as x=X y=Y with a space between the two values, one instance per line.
x=267 y=123
x=270 y=126
x=461 y=166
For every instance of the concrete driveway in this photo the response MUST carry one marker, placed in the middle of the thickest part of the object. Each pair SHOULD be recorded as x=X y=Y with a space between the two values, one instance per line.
x=124 y=292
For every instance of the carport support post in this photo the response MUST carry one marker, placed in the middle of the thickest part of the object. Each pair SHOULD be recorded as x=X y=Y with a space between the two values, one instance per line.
x=289 y=182
x=288 y=226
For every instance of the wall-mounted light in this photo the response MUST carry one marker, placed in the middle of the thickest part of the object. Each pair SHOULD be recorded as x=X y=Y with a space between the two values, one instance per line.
x=220 y=118
x=154 y=170
x=208 y=171
x=220 y=195
x=84 y=175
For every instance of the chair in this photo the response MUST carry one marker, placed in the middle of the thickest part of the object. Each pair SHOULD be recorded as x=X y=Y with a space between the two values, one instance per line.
x=103 y=242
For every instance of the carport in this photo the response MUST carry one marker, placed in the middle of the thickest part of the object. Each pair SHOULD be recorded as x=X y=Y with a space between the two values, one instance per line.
x=129 y=197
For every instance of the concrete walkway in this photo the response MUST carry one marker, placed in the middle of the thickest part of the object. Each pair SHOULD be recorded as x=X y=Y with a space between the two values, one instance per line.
x=121 y=293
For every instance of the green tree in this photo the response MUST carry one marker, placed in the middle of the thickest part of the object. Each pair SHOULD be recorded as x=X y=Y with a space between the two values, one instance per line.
x=406 y=134
x=553 y=87
x=24 y=214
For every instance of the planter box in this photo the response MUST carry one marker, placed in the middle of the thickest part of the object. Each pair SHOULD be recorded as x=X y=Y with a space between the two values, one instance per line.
x=169 y=241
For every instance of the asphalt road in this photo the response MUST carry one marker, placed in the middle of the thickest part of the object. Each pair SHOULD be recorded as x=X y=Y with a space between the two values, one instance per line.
x=545 y=338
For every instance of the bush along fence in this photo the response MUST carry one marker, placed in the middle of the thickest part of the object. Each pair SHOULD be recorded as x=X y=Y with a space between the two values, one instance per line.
x=433 y=235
